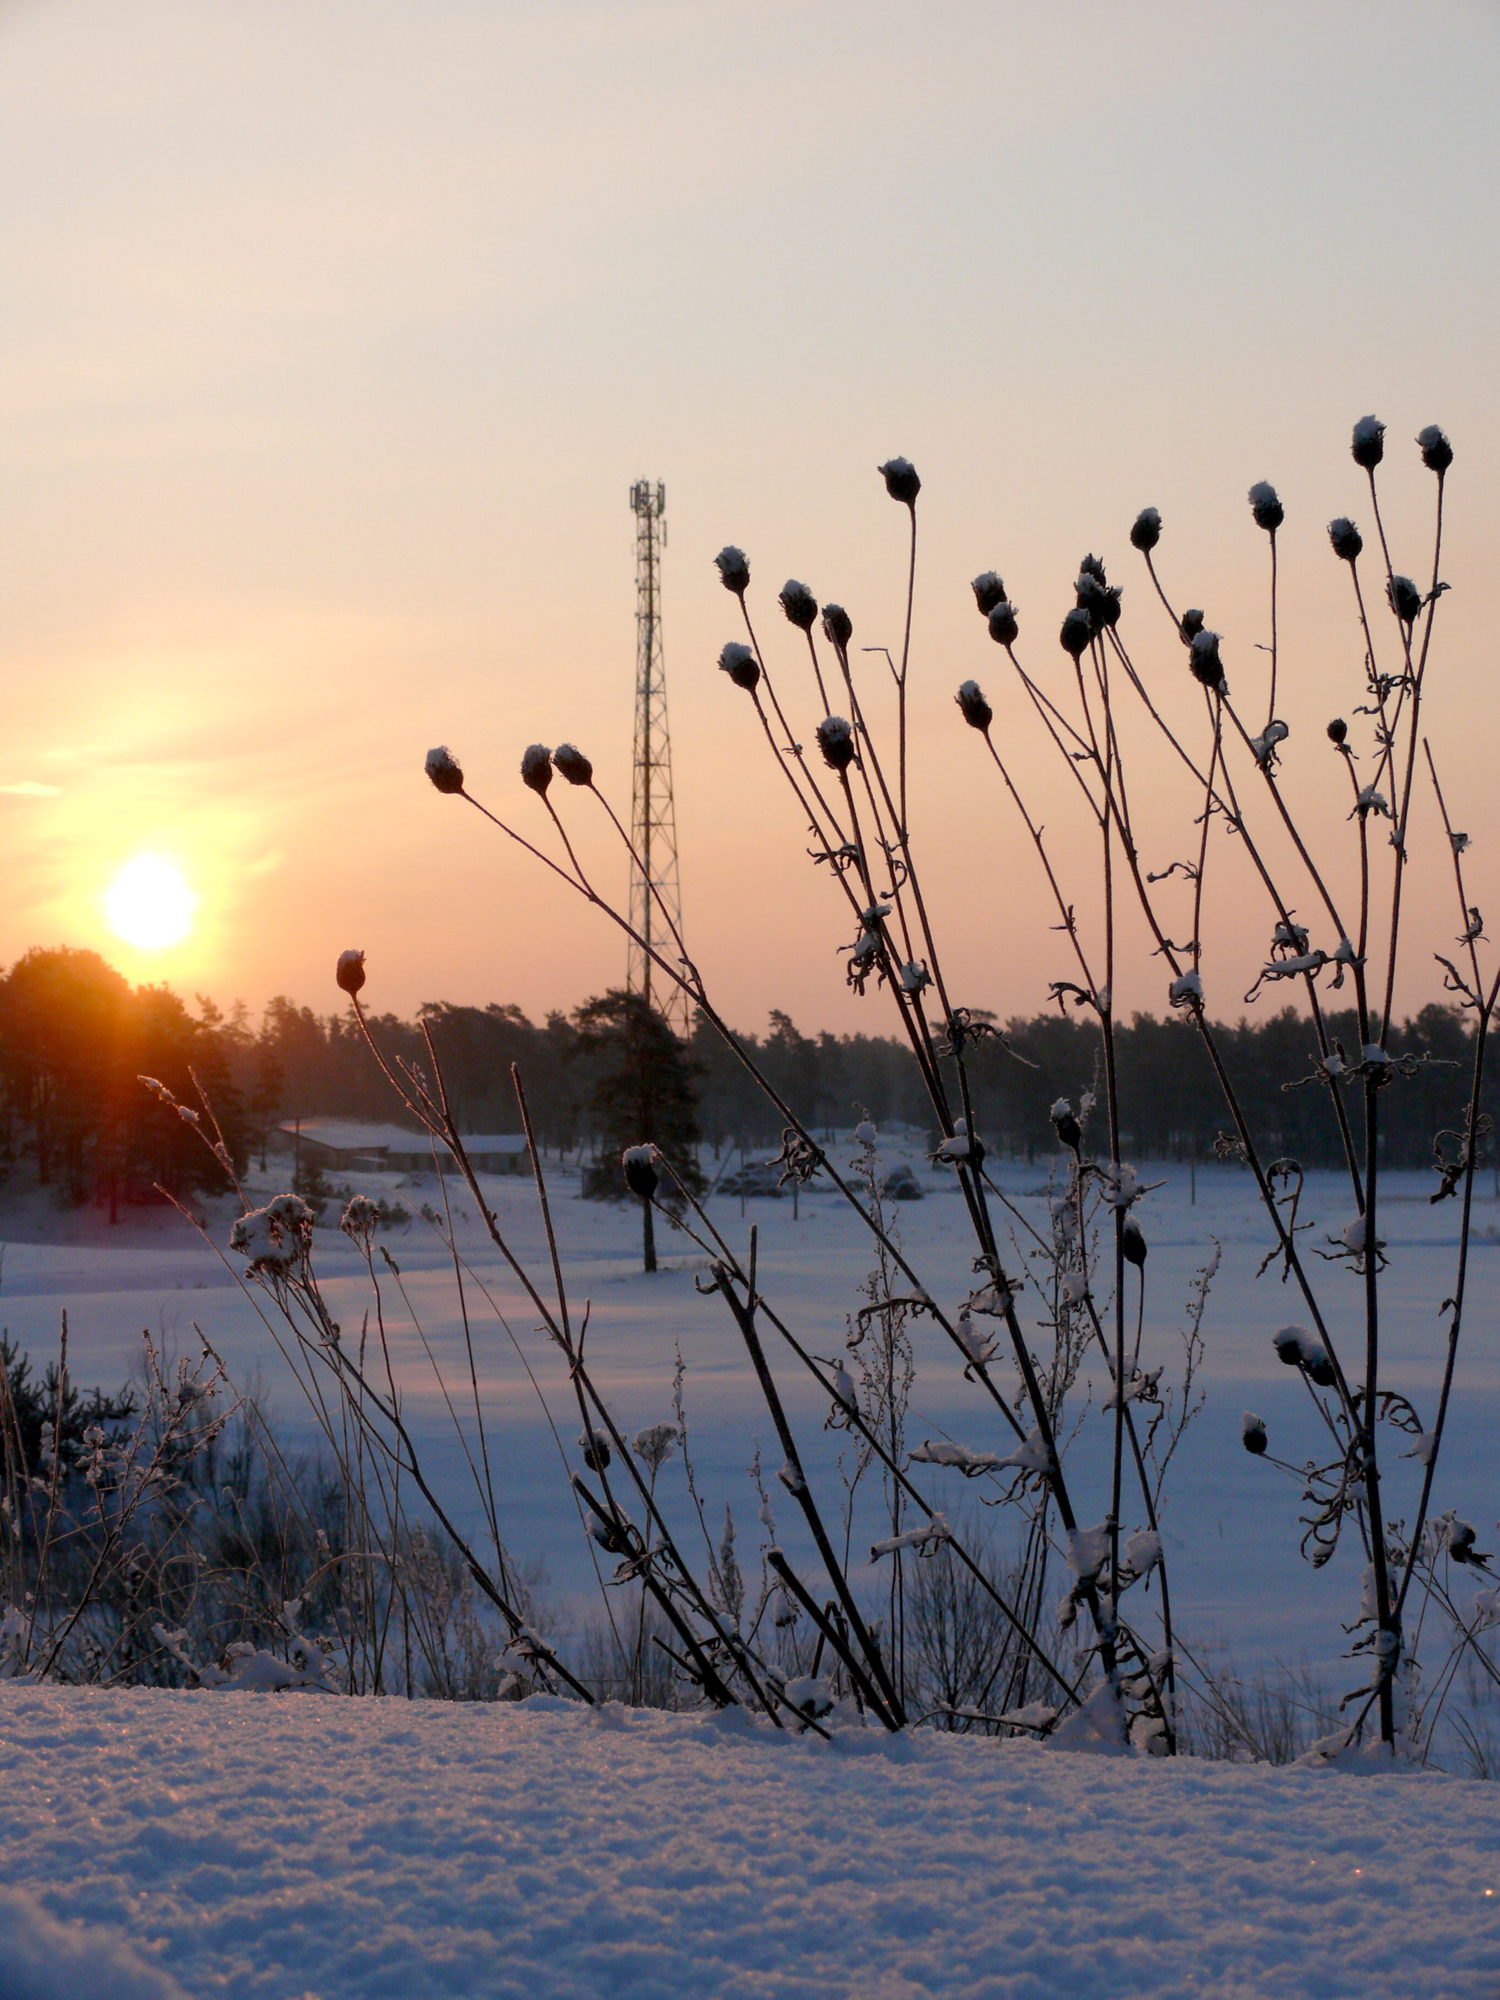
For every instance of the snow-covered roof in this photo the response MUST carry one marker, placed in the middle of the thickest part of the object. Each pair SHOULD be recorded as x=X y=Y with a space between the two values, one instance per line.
x=345 y=1135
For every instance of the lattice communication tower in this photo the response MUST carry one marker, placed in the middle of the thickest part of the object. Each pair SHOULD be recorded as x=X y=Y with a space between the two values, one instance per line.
x=653 y=821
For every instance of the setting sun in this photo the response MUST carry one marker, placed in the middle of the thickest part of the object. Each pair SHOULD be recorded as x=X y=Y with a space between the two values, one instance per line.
x=149 y=904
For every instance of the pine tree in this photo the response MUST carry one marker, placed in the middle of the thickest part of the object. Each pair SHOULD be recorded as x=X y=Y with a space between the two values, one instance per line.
x=644 y=1094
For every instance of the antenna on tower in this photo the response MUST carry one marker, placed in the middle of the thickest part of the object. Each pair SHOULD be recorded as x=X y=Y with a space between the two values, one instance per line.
x=655 y=898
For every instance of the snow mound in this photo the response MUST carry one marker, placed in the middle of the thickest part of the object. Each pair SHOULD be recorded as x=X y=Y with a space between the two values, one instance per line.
x=41 y=1959
x=267 y=1847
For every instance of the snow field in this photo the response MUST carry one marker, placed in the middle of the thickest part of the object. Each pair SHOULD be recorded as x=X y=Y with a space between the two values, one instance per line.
x=1230 y=1523
x=307 y=1847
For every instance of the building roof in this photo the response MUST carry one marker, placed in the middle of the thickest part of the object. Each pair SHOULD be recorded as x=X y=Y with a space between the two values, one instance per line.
x=346 y=1135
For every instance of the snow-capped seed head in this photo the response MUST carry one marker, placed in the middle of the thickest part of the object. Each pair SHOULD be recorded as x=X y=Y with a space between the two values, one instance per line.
x=1094 y=567
x=1077 y=630
x=1266 y=506
x=740 y=664
x=350 y=971
x=1003 y=625
x=1065 y=1125
x=1404 y=599
x=838 y=626
x=1346 y=539
x=1096 y=597
x=799 y=604
x=988 y=592
x=915 y=978
x=734 y=569
x=1133 y=1243
x=1190 y=625
x=360 y=1219
x=574 y=766
x=654 y=1444
x=1437 y=453
x=1367 y=446
x=975 y=709
x=1338 y=731
x=595 y=1448
x=1203 y=659
x=1146 y=531
x=1287 y=1340
x=536 y=768
x=1319 y=1368
x=641 y=1176
x=836 y=741
x=443 y=769
x=1253 y=1434
x=901 y=480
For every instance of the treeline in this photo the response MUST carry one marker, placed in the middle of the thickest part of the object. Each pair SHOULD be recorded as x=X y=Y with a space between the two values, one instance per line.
x=75 y=1040
x=75 y=1037
x=1171 y=1102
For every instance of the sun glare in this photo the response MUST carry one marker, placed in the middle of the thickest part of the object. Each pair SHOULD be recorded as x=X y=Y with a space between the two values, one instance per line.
x=149 y=904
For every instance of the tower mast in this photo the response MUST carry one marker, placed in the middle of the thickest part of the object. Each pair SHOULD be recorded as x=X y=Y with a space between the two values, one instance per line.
x=653 y=821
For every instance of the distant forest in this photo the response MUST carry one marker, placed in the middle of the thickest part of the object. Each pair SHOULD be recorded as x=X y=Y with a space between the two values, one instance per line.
x=75 y=1036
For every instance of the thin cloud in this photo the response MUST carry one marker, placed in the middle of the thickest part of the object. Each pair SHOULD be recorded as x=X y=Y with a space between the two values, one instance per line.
x=30 y=789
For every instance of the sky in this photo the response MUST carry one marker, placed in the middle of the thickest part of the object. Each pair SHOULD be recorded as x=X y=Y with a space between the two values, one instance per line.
x=332 y=336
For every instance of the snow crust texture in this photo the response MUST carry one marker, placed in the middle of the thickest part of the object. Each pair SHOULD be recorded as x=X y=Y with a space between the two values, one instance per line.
x=309 y=1847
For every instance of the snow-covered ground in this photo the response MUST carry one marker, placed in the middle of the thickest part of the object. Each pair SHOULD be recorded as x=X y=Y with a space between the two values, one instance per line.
x=157 y=1843
x=307 y=1847
x=1230 y=1523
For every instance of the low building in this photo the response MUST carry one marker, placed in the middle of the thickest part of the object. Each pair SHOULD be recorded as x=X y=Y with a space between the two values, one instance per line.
x=344 y=1145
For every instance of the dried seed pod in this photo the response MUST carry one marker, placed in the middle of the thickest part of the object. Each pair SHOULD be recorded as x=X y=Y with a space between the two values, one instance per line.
x=734 y=569
x=1437 y=453
x=1077 y=630
x=1090 y=594
x=1319 y=1368
x=1203 y=659
x=976 y=710
x=595 y=1448
x=1003 y=626
x=1094 y=567
x=572 y=763
x=988 y=592
x=901 y=480
x=1190 y=625
x=350 y=971
x=536 y=768
x=799 y=604
x=1266 y=506
x=1065 y=1125
x=1367 y=446
x=443 y=769
x=1346 y=539
x=836 y=741
x=1145 y=533
x=1253 y=1434
x=838 y=626
x=1404 y=599
x=740 y=664
x=1287 y=1340
x=641 y=1176
x=1133 y=1243
x=1338 y=731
